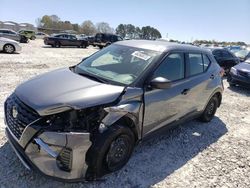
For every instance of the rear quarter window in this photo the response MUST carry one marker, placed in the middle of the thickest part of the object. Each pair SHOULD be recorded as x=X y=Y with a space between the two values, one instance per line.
x=206 y=62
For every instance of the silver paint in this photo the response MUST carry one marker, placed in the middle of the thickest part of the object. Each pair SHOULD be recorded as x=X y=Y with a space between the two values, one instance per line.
x=61 y=90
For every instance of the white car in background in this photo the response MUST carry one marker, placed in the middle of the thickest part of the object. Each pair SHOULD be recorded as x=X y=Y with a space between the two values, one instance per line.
x=9 y=46
x=41 y=35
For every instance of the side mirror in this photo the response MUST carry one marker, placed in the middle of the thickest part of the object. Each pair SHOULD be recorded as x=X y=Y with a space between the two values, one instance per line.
x=160 y=83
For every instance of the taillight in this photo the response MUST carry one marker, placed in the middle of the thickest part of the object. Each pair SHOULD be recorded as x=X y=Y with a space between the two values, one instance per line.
x=222 y=72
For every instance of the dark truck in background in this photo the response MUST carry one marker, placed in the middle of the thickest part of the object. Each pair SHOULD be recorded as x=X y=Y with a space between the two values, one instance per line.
x=104 y=39
x=65 y=40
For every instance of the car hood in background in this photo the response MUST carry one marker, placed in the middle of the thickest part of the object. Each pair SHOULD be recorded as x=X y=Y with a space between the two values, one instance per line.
x=62 y=89
x=243 y=67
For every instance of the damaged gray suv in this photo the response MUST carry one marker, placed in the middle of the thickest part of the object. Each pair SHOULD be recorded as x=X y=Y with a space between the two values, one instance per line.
x=82 y=122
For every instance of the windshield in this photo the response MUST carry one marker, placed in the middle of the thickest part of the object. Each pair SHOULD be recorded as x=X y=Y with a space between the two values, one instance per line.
x=117 y=63
x=242 y=53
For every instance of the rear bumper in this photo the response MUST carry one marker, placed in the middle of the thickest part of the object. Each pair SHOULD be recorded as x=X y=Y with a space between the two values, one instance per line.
x=43 y=153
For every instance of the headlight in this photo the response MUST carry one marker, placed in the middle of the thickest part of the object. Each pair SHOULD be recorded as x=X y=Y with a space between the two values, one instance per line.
x=233 y=71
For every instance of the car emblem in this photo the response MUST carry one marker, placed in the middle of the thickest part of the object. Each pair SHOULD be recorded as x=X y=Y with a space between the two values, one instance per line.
x=14 y=112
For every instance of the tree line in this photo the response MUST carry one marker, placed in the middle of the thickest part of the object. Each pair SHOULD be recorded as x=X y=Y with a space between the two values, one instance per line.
x=89 y=28
x=220 y=43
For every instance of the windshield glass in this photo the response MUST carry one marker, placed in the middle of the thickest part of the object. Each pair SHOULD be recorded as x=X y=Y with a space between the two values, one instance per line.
x=242 y=53
x=117 y=63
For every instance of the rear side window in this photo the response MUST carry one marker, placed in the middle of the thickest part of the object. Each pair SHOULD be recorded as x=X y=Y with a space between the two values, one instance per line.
x=172 y=68
x=217 y=53
x=226 y=54
x=195 y=64
x=206 y=62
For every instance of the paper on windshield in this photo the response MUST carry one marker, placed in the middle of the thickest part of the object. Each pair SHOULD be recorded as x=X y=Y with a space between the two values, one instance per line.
x=141 y=55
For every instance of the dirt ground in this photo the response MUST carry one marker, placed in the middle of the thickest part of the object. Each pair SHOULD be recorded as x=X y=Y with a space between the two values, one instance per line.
x=216 y=154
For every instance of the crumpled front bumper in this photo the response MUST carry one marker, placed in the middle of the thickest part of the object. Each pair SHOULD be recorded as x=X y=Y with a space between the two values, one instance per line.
x=45 y=153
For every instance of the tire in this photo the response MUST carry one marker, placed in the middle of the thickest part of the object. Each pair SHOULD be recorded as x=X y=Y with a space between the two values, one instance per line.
x=109 y=151
x=9 y=48
x=100 y=47
x=210 y=110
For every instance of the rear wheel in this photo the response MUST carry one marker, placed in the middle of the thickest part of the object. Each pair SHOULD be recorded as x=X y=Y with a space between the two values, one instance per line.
x=9 y=48
x=210 y=110
x=110 y=151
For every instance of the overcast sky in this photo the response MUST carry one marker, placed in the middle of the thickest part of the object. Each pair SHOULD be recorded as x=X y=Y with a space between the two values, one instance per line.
x=185 y=20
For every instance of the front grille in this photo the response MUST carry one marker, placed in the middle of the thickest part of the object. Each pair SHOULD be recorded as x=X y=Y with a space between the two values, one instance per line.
x=244 y=74
x=18 y=115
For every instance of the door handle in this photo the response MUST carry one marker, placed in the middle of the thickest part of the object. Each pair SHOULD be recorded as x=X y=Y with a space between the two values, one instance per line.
x=185 y=91
x=212 y=76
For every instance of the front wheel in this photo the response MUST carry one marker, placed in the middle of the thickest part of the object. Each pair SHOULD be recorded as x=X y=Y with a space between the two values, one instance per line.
x=8 y=48
x=210 y=110
x=110 y=151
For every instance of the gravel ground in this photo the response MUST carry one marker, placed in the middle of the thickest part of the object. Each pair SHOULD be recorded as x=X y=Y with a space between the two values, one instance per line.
x=216 y=154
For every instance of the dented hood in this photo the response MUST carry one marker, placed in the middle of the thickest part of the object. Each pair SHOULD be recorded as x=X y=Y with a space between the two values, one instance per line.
x=62 y=89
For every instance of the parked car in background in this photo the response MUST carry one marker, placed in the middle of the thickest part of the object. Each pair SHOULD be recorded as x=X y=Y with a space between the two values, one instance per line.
x=65 y=40
x=105 y=39
x=28 y=33
x=9 y=46
x=240 y=75
x=225 y=58
x=234 y=49
x=91 y=40
x=41 y=35
x=83 y=122
x=243 y=55
x=10 y=34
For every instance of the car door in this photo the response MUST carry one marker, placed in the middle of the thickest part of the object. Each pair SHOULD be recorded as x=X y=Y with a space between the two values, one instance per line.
x=73 y=41
x=63 y=39
x=163 y=106
x=199 y=79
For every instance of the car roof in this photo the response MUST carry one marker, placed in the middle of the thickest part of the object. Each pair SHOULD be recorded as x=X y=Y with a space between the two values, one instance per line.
x=160 y=46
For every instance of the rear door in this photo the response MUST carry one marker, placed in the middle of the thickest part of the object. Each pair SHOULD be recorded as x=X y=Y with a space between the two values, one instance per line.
x=163 y=106
x=73 y=41
x=199 y=79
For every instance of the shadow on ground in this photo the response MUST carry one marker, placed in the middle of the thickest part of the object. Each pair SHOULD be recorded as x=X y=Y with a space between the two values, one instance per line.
x=240 y=90
x=153 y=160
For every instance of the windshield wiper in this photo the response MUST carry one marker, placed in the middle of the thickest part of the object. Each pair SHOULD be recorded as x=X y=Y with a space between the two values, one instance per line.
x=92 y=77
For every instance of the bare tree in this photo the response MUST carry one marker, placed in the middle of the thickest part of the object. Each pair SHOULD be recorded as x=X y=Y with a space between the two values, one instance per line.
x=104 y=27
x=88 y=28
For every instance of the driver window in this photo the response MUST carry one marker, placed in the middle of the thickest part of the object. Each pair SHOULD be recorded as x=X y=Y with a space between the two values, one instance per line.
x=172 y=68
